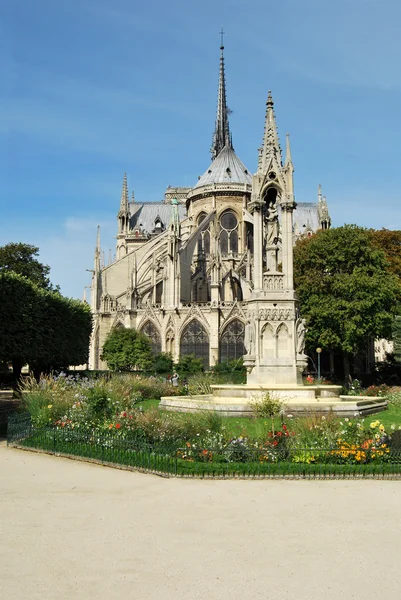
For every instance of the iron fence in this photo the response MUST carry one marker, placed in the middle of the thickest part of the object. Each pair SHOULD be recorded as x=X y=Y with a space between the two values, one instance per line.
x=191 y=460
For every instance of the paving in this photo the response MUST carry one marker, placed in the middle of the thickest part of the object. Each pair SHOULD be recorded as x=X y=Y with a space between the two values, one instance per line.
x=74 y=530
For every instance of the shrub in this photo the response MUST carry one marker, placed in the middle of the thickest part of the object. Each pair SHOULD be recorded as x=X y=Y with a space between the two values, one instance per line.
x=127 y=350
x=189 y=364
x=267 y=407
x=163 y=362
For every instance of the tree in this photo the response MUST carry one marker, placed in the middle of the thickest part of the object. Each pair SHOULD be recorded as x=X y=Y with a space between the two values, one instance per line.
x=127 y=350
x=40 y=327
x=163 y=362
x=346 y=290
x=21 y=259
x=390 y=242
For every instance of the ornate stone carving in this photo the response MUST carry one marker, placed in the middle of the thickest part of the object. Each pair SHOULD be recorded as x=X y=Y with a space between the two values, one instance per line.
x=249 y=339
x=273 y=282
x=300 y=328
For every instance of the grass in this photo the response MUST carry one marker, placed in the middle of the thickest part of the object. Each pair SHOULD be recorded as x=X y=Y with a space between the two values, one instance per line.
x=256 y=427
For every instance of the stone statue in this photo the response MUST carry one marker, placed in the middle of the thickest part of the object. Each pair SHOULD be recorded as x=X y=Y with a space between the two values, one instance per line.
x=301 y=332
x=272 y=225
x=249 y=338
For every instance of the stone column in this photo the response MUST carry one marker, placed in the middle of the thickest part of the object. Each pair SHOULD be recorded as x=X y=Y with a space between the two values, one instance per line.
x=287 y=248
x=257 y=248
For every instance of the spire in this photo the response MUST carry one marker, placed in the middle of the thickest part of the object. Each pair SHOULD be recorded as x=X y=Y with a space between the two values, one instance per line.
x=288 y=158
x=175 y=217
x=271 y=145
x=97 y=265
x=124 y=196
x=319 y=194
x=221 y=136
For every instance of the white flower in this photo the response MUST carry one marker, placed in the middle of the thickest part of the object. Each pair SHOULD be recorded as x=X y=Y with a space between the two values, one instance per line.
x=346 y=419
x=392 y=427
x=323 y=418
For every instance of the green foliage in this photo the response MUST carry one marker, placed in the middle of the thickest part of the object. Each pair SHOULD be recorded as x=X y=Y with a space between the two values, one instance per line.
x=267 y=407
x=346 y=289
x=127 y=350
x=42 y=328
x=189 y=364
x=230 y=366
x=396 y=331
x=163 y=362
x=21 y=259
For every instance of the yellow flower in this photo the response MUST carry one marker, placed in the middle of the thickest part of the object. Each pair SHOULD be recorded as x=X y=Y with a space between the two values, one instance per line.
x=381 y=427
x=50 y=406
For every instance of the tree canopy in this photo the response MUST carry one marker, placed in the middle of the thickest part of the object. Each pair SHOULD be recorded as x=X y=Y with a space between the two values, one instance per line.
x=127 y=350
x=40 y=327
x=390 y=242
x=21 y=259
x=346 y=288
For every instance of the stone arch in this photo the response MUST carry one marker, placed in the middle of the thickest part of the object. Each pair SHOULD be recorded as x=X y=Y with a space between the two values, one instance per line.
x=232 y=341
x=229 y=223
x=152 y=332
x=268 y=341
x=170 y=337
x=194 y=339
x=282 y=337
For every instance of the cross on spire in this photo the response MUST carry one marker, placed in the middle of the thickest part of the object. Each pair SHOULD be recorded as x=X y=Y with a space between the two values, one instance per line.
x=222 y=40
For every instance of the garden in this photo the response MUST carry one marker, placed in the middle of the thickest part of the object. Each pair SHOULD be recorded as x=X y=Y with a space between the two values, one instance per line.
x=116 y=420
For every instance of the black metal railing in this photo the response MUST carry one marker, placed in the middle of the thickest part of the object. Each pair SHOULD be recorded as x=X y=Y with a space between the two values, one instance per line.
x=192 y=460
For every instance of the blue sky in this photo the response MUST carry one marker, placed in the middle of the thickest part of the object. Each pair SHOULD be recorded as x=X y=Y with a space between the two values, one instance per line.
x=93 y=88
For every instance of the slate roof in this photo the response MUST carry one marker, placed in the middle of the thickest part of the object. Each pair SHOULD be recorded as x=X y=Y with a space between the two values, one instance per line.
x=226 y=168
x=145 y=214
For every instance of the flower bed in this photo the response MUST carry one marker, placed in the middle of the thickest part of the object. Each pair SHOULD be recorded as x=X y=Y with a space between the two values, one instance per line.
x=104 y=420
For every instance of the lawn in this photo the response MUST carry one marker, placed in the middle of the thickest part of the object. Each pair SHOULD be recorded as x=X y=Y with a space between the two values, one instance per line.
x=255 y=428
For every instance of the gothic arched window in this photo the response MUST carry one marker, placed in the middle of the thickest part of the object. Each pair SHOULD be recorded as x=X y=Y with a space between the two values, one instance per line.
x=195 y=340
x=154 y=336
x=229 y=232
x=232 y=341
x=206 y=242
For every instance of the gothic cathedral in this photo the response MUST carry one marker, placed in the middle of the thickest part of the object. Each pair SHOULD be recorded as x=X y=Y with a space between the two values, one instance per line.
x=188 y=269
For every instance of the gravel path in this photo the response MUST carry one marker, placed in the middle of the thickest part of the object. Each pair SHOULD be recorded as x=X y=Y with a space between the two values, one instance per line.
x=70 y=530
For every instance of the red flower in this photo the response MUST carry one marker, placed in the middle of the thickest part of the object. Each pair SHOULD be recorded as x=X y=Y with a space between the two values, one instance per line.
x=118 y=426
x=284 y=427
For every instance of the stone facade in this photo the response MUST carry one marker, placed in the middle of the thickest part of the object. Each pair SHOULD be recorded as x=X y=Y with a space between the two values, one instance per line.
x=208 y=271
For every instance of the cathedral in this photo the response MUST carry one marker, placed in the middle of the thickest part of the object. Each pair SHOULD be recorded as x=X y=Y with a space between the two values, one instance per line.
x=186 y=269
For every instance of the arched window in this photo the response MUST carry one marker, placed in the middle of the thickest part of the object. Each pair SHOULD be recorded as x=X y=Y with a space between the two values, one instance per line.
x=202 y=237
x=206 y=242
x=195 y=340
x=154 y=336
x=228 y=232
x=224 y=242
x=232 y=341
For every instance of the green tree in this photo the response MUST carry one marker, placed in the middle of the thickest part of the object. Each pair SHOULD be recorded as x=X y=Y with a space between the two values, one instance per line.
x=127 y=350
x=163 y=362
x=346 y=290
x=188 y=363
x=40 y=327
x=21 y=259
x=390 y=242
